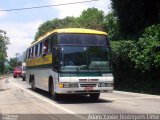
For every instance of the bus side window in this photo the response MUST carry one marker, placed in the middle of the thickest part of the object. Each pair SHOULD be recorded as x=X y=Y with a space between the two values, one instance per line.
x=55 y=40
x=55 y=52
x=40 y=48
x=45 y=48
x=54 y=46
x=36 y=50
x=32 y=53
x=29 y=54
x=50 y=44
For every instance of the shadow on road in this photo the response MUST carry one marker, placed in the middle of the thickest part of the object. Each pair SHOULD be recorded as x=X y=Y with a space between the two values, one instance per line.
x=72 y=99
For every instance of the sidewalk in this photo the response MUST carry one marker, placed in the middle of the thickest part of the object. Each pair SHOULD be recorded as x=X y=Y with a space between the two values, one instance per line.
x=4 y=76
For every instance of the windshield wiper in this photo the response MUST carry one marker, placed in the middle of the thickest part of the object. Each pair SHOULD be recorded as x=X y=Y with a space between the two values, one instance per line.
x=82 y=67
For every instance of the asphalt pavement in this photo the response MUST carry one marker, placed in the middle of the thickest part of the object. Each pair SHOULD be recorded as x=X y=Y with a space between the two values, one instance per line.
x=16 y=97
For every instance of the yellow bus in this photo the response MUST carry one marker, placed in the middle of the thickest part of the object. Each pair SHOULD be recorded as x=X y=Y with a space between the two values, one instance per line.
x=71 y=61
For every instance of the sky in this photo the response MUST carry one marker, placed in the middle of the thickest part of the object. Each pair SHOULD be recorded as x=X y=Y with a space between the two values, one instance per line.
x=21 y=26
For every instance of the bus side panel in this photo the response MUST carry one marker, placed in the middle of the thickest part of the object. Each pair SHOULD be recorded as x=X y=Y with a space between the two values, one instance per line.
x=41 y=77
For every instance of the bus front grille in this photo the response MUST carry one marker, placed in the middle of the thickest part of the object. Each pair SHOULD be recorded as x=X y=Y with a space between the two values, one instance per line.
x=88 y=80
x=88 y=85
x=89 y=91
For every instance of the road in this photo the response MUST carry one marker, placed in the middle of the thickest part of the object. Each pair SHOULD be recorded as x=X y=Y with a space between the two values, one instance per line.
x=16 y=97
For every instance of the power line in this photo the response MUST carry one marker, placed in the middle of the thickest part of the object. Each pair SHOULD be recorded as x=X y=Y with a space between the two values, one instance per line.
x=37 y=7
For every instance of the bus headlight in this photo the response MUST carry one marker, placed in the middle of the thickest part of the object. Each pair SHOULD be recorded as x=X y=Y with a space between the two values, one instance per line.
x=66 y=85
x=109 y=84
x=70 y=85
x=105 y=85
x=61 y=85
x=73 y=85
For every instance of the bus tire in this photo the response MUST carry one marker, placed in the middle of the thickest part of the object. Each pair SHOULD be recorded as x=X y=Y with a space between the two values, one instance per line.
x=33 y=87
x=94 y=96
x=23 y=79
x=52 y=93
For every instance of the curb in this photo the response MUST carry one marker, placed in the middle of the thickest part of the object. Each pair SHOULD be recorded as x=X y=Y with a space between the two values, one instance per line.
x=134 y=93
x=4 y=77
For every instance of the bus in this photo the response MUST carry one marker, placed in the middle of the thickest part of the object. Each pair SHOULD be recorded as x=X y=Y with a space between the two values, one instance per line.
x=71 y=61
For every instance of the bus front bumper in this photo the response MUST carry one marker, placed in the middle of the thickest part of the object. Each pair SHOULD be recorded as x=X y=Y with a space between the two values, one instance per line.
x=85 y=90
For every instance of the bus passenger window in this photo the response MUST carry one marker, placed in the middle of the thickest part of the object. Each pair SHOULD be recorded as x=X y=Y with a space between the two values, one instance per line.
x=49 y=45
x=32 y=53
x=44 y=50
x=40 y=50
x=55 y=40
x=46 y=46
x=29 y=53
x=36 y=50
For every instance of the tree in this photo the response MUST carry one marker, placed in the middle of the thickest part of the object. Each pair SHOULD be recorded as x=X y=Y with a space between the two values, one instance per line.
x=44 y=28
x=14 y=62
x=55 y=24
x=4 y=41
x=146 y=52
x=135 y=15
x=92 y=18
x=111 y=26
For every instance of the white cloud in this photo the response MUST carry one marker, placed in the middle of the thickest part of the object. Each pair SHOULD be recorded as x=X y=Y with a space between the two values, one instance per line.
x=21 y=35
x=76 y=9
x=2 y=13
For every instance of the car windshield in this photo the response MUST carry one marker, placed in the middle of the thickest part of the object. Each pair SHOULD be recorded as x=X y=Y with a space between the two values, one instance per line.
x=17 y=69
x=80 y=58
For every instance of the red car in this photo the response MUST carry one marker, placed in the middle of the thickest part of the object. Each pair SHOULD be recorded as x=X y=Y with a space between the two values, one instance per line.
x=17 y=72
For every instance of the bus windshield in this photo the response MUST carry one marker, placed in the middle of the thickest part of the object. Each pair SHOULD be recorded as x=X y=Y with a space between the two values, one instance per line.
x=85 y=58
x=83 y=39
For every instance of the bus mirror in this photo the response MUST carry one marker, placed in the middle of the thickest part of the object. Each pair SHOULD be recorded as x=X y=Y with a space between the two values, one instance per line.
x=44 y=54
x=56 y=68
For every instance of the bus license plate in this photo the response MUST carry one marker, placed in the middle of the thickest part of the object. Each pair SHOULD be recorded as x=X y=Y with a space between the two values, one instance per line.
x=88 y=88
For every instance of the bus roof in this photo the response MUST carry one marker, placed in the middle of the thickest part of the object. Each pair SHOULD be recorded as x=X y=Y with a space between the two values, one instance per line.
x=69 y=30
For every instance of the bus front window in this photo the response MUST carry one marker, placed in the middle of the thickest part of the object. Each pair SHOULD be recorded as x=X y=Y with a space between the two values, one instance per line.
x=81 y=58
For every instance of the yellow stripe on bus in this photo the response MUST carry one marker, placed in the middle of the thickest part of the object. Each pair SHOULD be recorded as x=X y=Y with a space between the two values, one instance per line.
x=43 y=60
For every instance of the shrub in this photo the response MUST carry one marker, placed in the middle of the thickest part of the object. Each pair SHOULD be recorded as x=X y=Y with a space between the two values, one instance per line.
x=146 y=52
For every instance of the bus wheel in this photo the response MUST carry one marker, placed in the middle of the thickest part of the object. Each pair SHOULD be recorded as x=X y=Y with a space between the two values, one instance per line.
x=94 y=96
x=33 y=85
x=23 y=79
x=53 y=95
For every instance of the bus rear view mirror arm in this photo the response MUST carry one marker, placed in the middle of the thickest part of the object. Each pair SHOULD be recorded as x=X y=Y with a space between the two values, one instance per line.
x=44 y=54
x=56 y=68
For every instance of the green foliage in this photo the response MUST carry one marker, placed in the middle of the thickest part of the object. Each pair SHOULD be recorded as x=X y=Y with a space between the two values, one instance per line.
x=121 y=50
x=135 y=15
x=55 y=24
x=146 y=52
x=136 y=65
x=92 y=18
x=14 y=62
x=122 y=63
x=44 y=28
x=111 y=26
x=4 y=41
